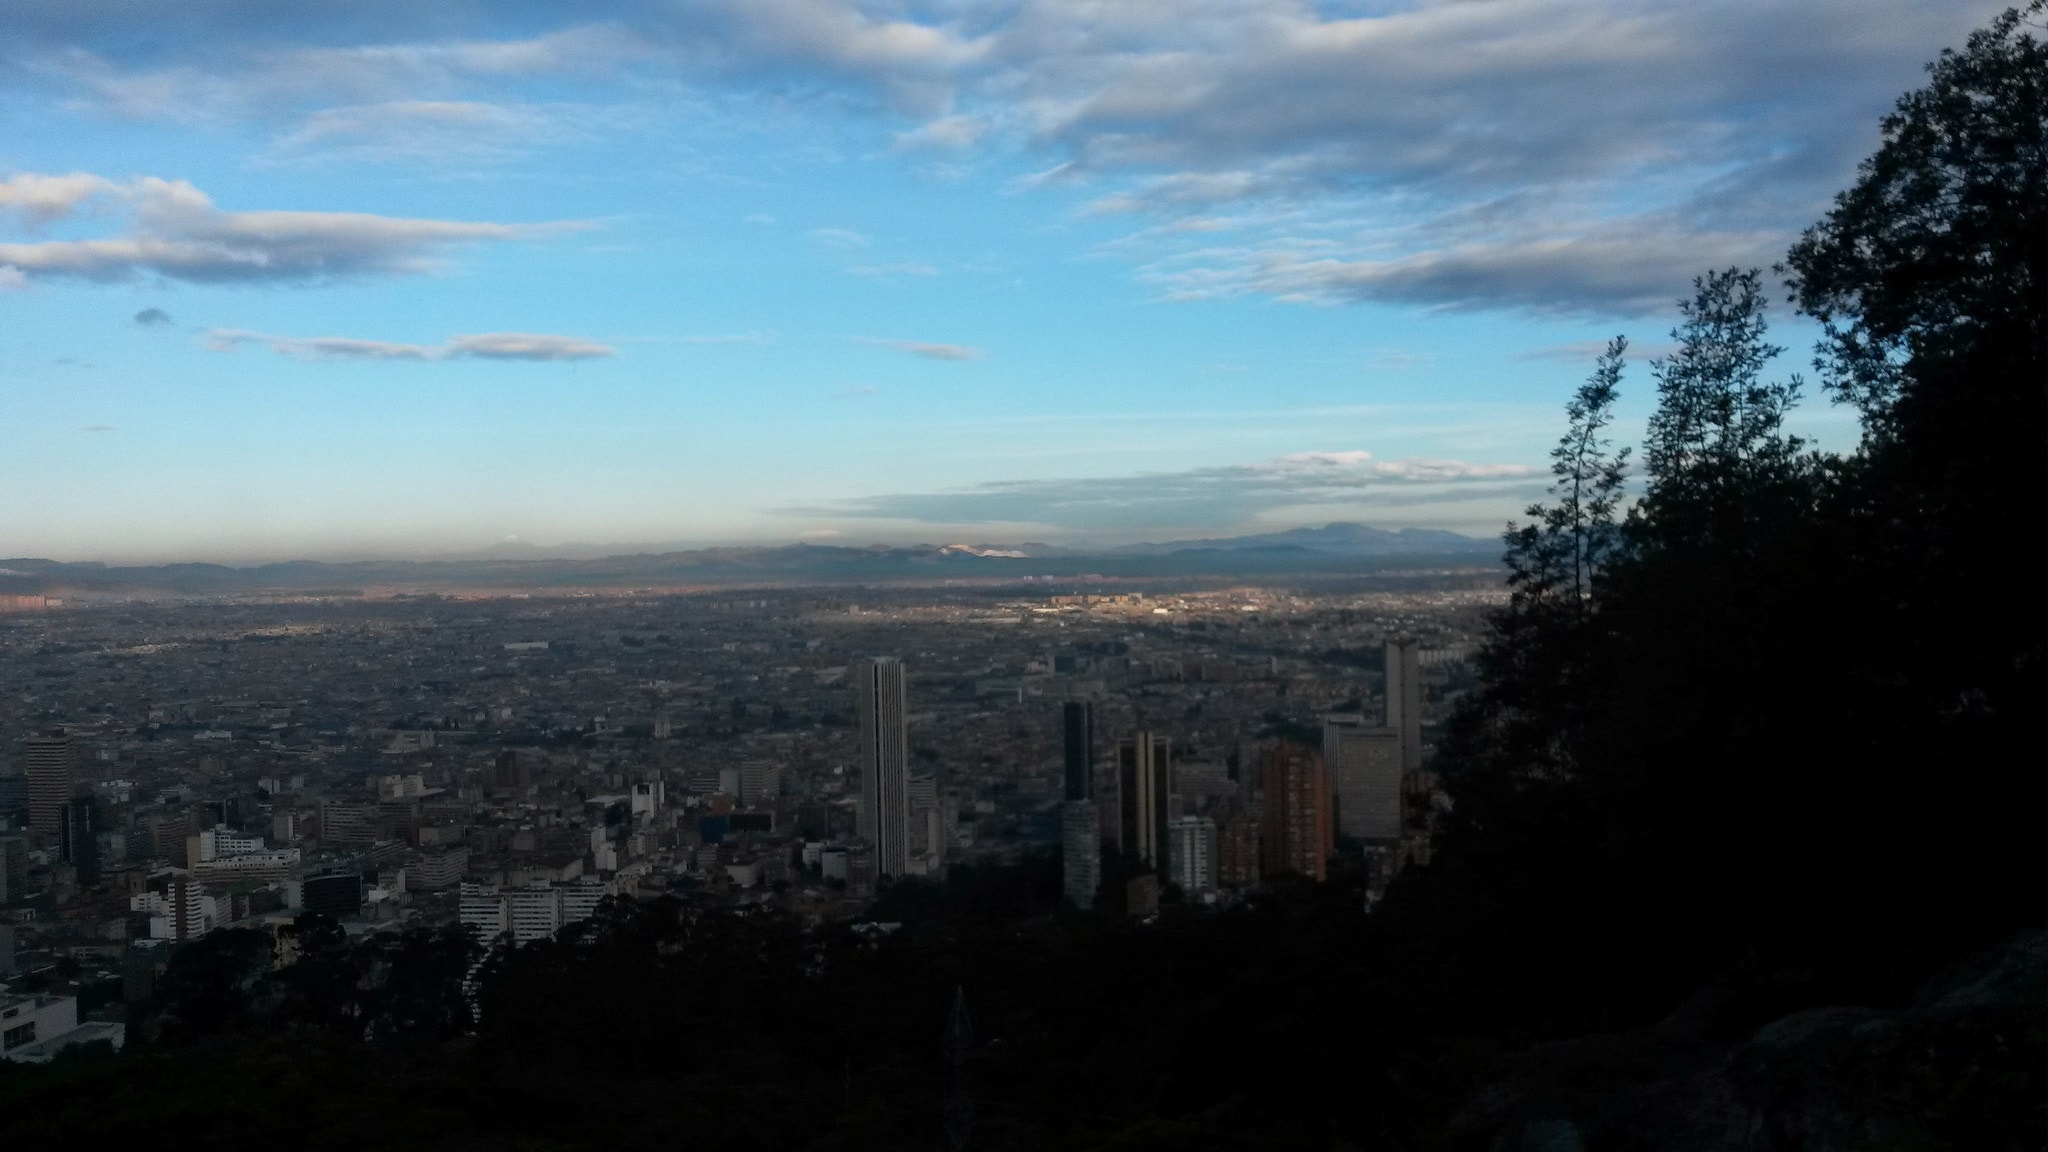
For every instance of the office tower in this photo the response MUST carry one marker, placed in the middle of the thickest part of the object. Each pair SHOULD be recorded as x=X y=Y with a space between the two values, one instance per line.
x=78 y=842
x=1144 y=777
x=1079 y=716
x=338 y=894
x=1080 y=852
x=1237 y=848
x=512 y=773
x=13 y=868
x=1365 y=774
x=760 y=782
x=1193 y=853
x=884 y=764
x=13 y=796
x=1404 y=702
x=49 y=783
x=1295 y=833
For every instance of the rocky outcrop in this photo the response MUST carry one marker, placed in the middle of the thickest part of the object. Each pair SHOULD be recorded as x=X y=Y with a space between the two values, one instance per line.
x=1961 y=1067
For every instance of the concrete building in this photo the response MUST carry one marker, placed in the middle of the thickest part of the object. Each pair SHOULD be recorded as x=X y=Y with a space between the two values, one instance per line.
x=533 y=913
x=50 y=783
x=1404 y=701
x=1078 y=731
x=35 y=1028
x=350 y=822
x=1080 y=852
x=1144 y=797
x=178 y=909
x=266 y=867
x=441 y=868
x=884 y=764
x=337 y=894
x=760 y=782
x=1296 y=833
x=13 y=869
x=528 y=912
x=78 y=840
x=1237 y=849
x=1193 y=853
x=1365 y=775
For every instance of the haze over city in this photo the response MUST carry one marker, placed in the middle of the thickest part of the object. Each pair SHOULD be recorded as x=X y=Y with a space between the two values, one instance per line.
x=384 y=279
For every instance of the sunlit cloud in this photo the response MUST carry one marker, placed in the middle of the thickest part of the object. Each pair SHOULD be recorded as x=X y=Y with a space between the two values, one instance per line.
x=175 y=231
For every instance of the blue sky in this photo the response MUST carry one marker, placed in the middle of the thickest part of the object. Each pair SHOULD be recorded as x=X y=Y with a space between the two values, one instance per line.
x=351 y=279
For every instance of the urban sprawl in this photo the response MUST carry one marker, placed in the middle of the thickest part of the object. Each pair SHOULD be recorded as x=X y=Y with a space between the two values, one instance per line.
x=509 y=762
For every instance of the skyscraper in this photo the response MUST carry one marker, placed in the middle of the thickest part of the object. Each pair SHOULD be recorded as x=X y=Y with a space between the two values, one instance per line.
x=1404 y=702
x=1144 y=776
x=1080 y=748
x=884 y=764
x=1193 y=852
x=49 y=783
x=78 y=841
x=1294 y=812
x=1080 y=853
x=1365 y=774
x=1080 y=826
x=13 y=868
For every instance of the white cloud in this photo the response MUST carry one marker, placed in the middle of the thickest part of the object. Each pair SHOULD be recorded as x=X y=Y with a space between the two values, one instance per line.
x=839 y=237
x=734 y=338
x=174 y=230
x=12 y=279
x=1418 y=151
x=927 y=350
x=948 y=134
x=42 y=199
x=886 y=271
x=1217 y=497
x=438 y=131
x=485 y=346
x=1631 y=266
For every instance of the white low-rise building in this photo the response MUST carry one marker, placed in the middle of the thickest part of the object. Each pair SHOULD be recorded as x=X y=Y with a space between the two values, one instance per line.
x=35 y=1028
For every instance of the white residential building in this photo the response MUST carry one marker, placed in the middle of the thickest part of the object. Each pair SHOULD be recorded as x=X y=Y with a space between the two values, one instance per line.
x=35 y=1028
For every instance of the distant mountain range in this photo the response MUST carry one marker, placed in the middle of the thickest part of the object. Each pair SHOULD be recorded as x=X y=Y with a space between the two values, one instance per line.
x=1331 y=549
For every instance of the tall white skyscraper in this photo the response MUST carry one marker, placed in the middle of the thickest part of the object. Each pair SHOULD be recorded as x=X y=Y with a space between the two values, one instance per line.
x=1192 y=851
x=1365 y=774
x=1404 y=702
x=1080 y=852
x=884 y=763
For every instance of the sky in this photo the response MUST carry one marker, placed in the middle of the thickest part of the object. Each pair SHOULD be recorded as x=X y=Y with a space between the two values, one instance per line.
x=349 y=279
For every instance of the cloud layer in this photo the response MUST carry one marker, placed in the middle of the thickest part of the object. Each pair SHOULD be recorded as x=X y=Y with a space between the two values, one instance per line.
x=1221 y=497
x=171 y=229
x=1582 y=156
x=484 y=346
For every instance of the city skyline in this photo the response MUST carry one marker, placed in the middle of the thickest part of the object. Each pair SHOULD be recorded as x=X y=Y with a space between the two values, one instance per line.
x=376 y=281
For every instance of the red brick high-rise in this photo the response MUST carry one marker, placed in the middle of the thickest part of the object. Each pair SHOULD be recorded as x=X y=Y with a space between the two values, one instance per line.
x=1296 y=832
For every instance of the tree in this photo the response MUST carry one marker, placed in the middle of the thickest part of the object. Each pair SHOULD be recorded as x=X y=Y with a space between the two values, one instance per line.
x=1566 y=545
x=1716 y=441
x=1940 y=250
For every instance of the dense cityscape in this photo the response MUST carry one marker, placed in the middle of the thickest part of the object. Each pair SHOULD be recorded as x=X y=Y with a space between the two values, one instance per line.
x=509 y=762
